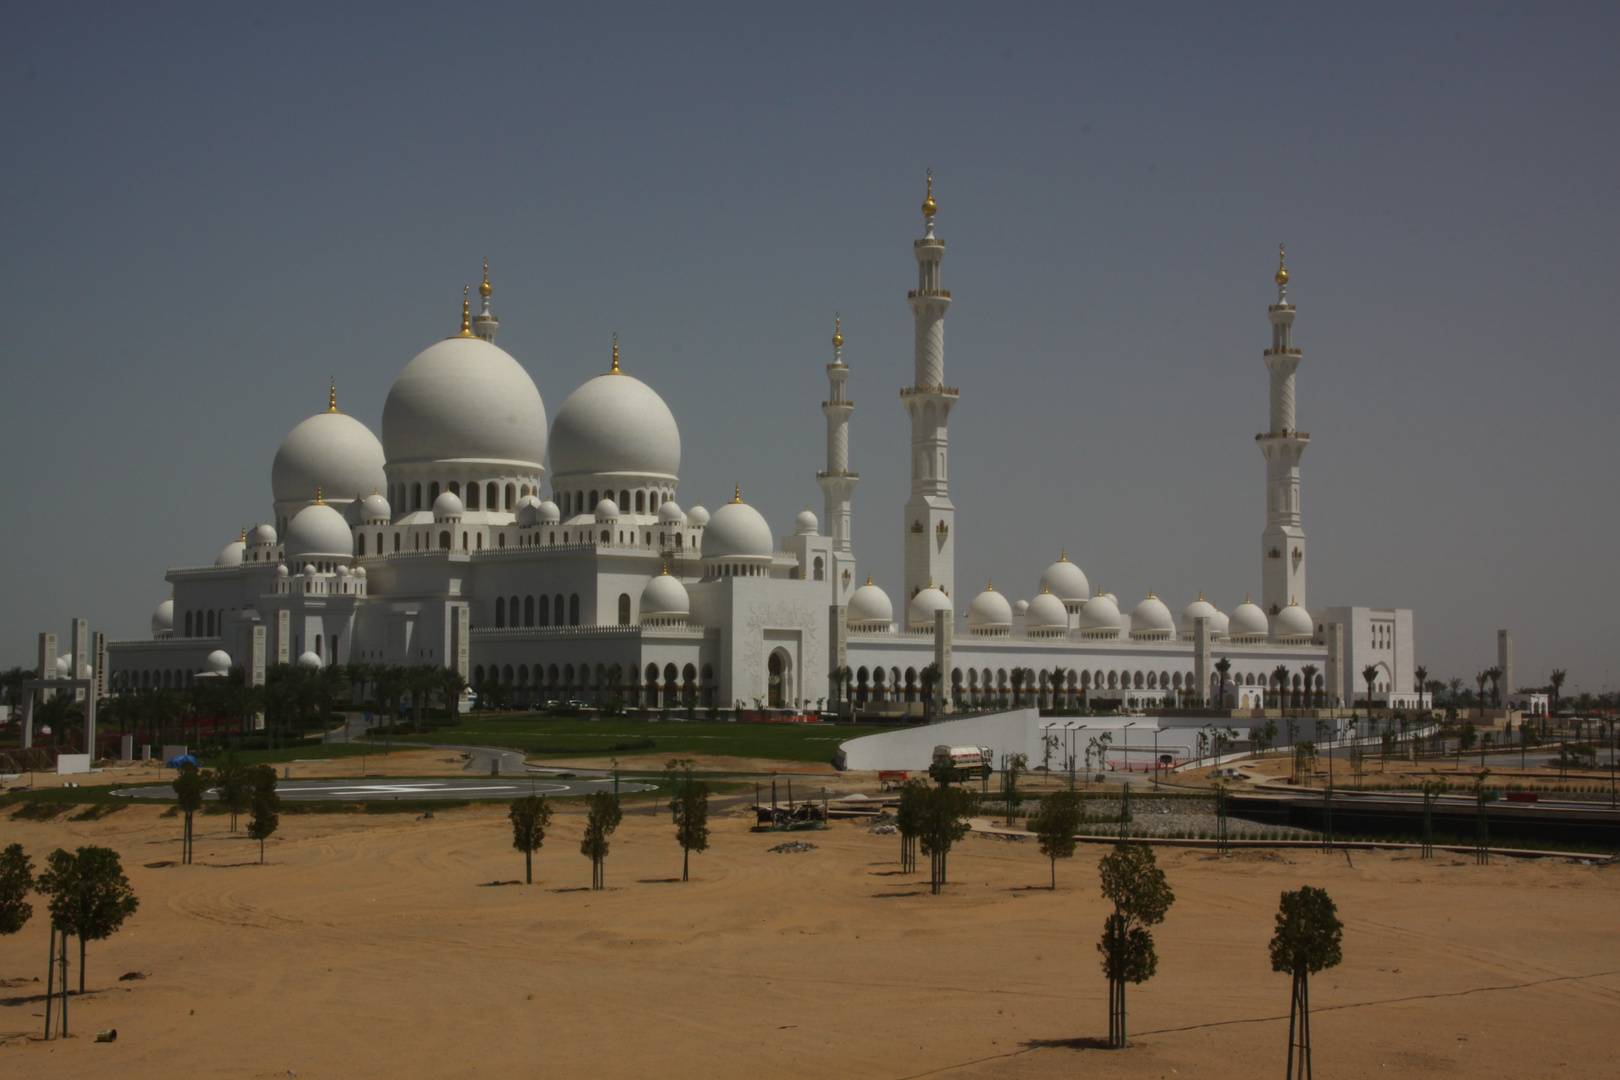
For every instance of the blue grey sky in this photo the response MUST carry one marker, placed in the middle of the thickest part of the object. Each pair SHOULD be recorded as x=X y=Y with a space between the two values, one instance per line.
x=209 y=209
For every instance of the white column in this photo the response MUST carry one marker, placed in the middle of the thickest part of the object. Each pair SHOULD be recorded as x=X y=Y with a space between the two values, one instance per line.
x=1282 y=544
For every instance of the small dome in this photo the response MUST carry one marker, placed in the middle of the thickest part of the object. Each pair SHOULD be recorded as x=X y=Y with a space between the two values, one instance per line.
x=1046 y=614
x=1151 y=617
x=219 y=662
x=1219 y=624
x=549 y=514
x=665 y=598
x=806 y=524
x=869 y=608
x=1064 y=580
x=281 y=570
x=528 y=512
x=261 y=535
x=615 y=424
x=231 y=554
x=669 y=513
x=64 y=666
x=1100 y=617
x=330 y=451
x=374 y=509
x=163 y=619
x=607 y=510
x=737 y=530
x=920 y=612
x=1248 y=621
x=309 y=660
x=697 y=517
x=1293 y=624
x=318 y=529
x=448 y=507
x=1198 y=609
x=360 y=573
x=989 y=612
x=1021 y=608
x=309 y=570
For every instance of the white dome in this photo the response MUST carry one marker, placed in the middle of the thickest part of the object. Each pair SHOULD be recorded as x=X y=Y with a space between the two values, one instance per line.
x=697 y=517
x=669 y=513
x=1219 y=624
x=1064 y=580
x=1100 y=615
x=549 y=514
x=607 y=510
x=1045 y=614
x=665 y=598
x=990 y=611
x=464 y=399
x=64 y=666
x=318 y=529
x=1152 y=617
x=869 y=608
x=309 y=660
x=219 y=662
x=1198 y=609
x=261 y=535
x=528 y=512
x=231 y=554
x=737 y=530
x=920 y=612
x=360 y=572
x=332 y=452
x=1021 y=608
x=1293 y=623
x=163 y=618
x=615 y=424
x=1248 y=621
x=281 y=570
x=448 y=506
x=806 y=524
x=374 y=509
x=309 y=570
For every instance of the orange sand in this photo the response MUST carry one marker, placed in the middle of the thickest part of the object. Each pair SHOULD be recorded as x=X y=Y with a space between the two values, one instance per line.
x=368 y=948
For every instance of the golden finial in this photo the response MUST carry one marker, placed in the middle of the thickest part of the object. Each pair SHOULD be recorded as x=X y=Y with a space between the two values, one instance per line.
x=243 y=540
x=318 y=500
x=1246 y=599
x=929 y=207
x=666 y=571
x=1065 y=556
x=737 y=495
x=466 y=312
x=615 y=369
x=838 y=331
x=1044 y=589
x=483 y=290
x=1150 y=593
x=1294 y=602
x=869 y=579
x=990 y=585
x=1282 y=267
x=930 y=581
x=1200 y=594
x=331 y=399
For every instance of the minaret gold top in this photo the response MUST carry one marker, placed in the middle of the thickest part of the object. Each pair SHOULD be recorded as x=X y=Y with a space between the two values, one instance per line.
x=1282 y=267
x=466 y=312
x=929 y=206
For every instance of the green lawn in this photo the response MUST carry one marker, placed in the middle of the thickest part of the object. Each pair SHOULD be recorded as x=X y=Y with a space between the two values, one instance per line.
x=571 y=738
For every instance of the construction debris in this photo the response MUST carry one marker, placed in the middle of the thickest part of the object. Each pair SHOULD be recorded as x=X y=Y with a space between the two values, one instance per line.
x=794 y=847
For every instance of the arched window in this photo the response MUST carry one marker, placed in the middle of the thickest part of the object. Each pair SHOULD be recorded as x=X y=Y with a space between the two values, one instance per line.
x=396 y=541
x=594 y=501
x=624 y=501
x=528 y=611
x=455 y=488
x=210 y=624
x=188 y=625
x=820 y=569
x=624 y=609
x=416 y=496
x=463 y=541
x=379 y=543
x=573 y=610
x=545 y=611
x=641 y=502
x=433 y=493
x=317 y=645
x=472 y=496
x=511 y=496
x=500 y=612
x=607 y=536
x=557 y=612
x=361 y=538
x=444 y=540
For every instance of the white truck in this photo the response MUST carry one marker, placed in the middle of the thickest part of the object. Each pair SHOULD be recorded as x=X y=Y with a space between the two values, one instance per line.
x=970 y=762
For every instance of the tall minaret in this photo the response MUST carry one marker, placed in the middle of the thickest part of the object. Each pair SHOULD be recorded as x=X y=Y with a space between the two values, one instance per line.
x=837 y=483
x=930 y=548
x=484 y=324
x=1282 y=545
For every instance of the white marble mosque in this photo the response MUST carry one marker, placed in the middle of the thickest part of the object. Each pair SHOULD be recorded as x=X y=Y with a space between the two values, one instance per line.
x=455 y=541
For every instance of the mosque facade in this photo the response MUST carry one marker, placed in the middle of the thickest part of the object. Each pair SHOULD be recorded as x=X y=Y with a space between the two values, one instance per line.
x=450 y=542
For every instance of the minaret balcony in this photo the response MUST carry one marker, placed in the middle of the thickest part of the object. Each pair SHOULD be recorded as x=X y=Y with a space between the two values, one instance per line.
x=838 y=404
x=1282 y=352
x=1302 y=436
x=930 y=391
x=928 y=241
x=843 y=474
x=915 y=293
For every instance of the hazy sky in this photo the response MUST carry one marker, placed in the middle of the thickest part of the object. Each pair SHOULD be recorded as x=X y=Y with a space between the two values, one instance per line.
x=208 y=210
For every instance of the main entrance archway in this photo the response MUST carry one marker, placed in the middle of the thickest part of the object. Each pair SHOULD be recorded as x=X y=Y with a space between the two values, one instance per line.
x=779 y=679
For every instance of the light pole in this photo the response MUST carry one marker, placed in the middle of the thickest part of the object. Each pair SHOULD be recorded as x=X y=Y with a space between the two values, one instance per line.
x=1155 y=757
x=1078 y=729
x=1127 y=730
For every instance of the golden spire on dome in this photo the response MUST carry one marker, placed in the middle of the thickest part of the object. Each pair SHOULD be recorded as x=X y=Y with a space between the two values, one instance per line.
x=318 y=500
x=614 y=370
x=666 y=570
x=331 y=400
x=483 y=290
x=929 y=206
x=737 y=495
x=1200 y=594
x=466 y=312
x=869 y=579
x=1246 y=599
x=838 y=331
x=1150 y=593
x=243 y=540
x=990 y=585
x=1064 y=557
x=1282 y=266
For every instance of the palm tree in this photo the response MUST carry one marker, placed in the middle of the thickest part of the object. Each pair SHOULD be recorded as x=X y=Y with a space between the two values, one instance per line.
x=1280 y=675
x=1017 y=685
x=1309 y=672
x=930 y=677
x=451 y=684
x=1224 y=667
x=1557 y=684
x=1495 y=675
x=1370 y=674
x=1482 y=678
x=1421 y=677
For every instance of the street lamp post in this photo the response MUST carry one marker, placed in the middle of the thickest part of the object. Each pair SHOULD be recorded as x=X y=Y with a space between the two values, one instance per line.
x=1155 y=757
x=1127 y=730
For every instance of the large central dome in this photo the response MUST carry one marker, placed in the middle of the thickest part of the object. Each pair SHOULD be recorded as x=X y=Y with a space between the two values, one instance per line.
x=464 y=399
x=614 y=424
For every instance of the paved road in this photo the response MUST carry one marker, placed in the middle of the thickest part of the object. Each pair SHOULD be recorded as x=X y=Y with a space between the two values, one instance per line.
x=453 y=787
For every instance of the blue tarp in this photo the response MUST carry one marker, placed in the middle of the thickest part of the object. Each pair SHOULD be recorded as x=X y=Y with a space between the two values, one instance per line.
x=181 y=759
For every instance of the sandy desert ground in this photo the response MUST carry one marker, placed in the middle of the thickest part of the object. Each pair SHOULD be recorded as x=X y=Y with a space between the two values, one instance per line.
x=375 y=946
